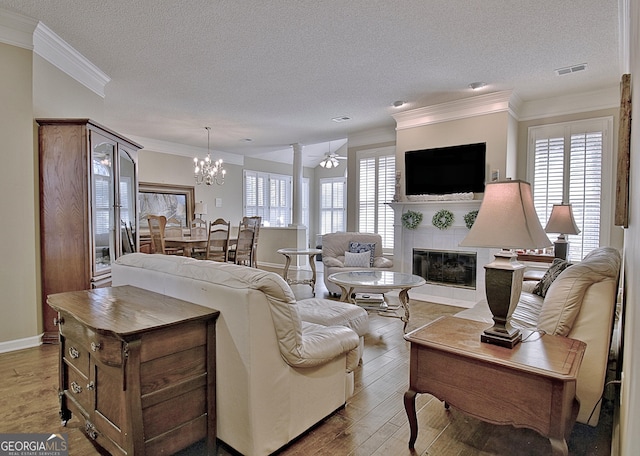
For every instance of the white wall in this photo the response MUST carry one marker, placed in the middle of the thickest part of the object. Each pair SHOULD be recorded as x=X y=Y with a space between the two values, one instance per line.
x=630 y=397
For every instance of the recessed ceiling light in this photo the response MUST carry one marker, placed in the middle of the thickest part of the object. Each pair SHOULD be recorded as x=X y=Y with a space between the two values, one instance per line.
x=341 y=118
x=398 y=104
x=477 y=85
x=570 y=69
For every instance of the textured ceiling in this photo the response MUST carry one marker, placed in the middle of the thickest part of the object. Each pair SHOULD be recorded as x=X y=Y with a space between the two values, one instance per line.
x=278 y=71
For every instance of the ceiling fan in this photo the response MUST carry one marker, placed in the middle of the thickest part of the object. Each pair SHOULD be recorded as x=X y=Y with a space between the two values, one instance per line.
x=330 y=160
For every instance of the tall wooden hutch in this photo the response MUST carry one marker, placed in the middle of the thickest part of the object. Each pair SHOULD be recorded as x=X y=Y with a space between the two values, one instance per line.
x=88 y=206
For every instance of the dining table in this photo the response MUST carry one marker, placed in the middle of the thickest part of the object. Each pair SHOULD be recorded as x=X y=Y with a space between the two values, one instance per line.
x=186 y=243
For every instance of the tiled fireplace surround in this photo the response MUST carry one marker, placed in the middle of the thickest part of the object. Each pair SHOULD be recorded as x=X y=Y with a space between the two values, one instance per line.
x=427 y=236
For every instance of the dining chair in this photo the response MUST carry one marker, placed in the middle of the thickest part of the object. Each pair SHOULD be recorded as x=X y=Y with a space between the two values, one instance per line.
x=253 y=222
x=198 y=228
x=218 y=240
x=156 y=231
x=244 y=247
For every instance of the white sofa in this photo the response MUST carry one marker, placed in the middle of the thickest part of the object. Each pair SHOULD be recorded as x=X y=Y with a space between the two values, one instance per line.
x=334 y=246
x=580 y=304
x=280 y=365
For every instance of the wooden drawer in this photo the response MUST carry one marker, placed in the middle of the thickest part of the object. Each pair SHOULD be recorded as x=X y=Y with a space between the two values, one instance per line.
x=105 y=348
x=78 y=388
x=75 y=354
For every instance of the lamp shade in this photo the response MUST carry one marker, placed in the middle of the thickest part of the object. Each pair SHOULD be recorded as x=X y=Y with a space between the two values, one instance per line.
x=201 y=208
x=561 y=220
x=507 y=219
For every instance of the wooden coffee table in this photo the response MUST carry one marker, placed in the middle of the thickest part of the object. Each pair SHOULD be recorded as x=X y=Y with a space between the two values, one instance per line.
x=532 y=385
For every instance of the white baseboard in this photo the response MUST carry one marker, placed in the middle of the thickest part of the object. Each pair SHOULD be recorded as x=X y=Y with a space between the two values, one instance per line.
x=20 y=344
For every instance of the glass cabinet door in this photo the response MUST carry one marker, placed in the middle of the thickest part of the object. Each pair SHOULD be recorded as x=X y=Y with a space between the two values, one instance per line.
x=127 y=202
x=102 y=202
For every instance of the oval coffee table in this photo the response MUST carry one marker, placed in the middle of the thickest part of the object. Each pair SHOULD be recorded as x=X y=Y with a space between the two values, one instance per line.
x=375 y=281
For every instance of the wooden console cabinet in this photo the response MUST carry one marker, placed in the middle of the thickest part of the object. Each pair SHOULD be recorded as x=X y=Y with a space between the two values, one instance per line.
x=137 y=368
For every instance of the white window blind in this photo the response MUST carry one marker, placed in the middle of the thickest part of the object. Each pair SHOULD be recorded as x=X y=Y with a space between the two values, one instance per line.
x=102 y=196
x=569 y=162
x=332 y=205
x=376 y=187
x=268 y=196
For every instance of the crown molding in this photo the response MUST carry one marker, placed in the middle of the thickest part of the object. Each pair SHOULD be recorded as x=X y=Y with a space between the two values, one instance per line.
x=606 y=98
x=60 y=54
x=166 y=147
x=459 y=109
x=16 y=29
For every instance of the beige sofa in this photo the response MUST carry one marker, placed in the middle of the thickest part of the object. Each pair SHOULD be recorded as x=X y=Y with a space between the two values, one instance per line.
x=334 y=246
x=281 y=365
x=580 y=303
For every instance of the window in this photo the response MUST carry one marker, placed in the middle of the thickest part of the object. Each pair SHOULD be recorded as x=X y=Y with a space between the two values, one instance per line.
x=332 y=205
x=376 y=187
x=569 y=163
x=268 y=196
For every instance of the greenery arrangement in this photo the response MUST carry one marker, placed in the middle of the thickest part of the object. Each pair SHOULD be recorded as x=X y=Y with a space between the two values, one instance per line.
x=470 y=218
x=443 y=219
x=411 y=219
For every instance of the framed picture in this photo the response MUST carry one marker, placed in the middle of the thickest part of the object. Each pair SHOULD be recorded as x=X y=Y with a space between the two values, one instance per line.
x=172 y=201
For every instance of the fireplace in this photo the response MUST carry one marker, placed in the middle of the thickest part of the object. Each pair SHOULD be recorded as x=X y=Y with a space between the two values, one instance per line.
x=446 y=267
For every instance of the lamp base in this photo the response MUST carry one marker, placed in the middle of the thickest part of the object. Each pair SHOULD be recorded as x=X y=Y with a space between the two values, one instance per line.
x=560 y=248
x=494 y=339
x=503 y=284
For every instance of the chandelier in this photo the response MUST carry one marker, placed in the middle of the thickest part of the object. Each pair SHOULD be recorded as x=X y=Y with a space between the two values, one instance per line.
x=206 y=171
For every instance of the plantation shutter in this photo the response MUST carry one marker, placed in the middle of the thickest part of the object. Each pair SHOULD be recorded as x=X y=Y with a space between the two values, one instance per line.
x=568 y=163
x=332 y=206
x=376 y=187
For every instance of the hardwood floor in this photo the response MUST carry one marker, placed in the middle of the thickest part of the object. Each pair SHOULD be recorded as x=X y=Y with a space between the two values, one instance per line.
x=372 y=423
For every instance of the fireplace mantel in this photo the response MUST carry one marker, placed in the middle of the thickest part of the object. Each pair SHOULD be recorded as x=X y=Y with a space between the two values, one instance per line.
x=427 y=236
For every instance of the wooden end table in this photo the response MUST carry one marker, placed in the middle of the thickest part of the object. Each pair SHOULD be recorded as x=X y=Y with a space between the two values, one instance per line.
x=448 y=361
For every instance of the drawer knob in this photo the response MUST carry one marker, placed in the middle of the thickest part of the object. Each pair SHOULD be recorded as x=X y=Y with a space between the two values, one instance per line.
x=90 y=429
x=58 y=321
x=74 y=353
x=95 y=347
x=90 y=386
x=76 y=388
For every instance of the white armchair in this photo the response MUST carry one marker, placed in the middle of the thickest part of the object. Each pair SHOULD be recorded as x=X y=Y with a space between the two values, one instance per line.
x=334 y=252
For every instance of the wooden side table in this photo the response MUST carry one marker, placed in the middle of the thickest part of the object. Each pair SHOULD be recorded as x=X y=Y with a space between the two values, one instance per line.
x=448 y=361
x=138 y=369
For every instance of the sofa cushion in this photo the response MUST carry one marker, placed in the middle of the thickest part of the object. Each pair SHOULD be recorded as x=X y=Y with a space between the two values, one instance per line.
x=334 y=313
x=554 y=271
x=357 y=260
x=564 y=297
x=358 y=247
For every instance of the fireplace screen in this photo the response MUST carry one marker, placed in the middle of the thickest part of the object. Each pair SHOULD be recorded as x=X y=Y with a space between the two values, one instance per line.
x=451 y=268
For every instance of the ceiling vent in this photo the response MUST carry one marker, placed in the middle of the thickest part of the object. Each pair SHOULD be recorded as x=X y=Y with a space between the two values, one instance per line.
x=571 y=69
x=341 y=119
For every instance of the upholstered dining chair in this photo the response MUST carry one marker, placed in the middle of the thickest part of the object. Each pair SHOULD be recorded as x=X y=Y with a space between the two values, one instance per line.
x=218 y=240
x=245 y=246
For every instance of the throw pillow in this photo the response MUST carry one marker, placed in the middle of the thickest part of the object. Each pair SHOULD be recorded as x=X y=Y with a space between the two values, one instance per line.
x=554 y=271
x=358 y=247
x=357 y=260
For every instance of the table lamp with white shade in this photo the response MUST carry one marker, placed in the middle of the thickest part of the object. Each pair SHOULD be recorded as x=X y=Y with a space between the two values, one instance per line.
x=561 y=221
x=507 y=220
x=200 y=208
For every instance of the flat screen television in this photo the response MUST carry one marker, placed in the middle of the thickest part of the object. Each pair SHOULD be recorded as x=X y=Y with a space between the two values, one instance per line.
x=444 y=170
